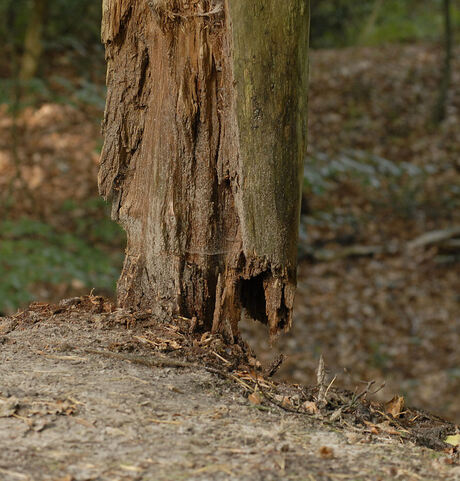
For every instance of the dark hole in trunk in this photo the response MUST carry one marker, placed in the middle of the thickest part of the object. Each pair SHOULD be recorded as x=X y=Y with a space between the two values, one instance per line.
x=253 y=297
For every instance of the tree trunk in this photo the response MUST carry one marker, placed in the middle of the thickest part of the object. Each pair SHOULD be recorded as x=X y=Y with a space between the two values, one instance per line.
x=33 y=42
x=370 y=22
x=439 y=113
x=205 y=136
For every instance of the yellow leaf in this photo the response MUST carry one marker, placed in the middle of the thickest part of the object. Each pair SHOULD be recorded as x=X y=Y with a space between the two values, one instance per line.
x=454 y=440
x=133 y=469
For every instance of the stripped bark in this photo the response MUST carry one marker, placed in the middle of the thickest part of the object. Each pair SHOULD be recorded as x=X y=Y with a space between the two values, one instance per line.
x=205 y=134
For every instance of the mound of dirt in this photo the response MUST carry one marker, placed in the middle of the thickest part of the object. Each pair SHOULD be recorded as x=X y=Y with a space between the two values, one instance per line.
x=90 y=392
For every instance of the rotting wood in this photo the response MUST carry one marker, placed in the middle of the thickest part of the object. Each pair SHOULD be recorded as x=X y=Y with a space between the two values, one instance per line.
x=205 y=135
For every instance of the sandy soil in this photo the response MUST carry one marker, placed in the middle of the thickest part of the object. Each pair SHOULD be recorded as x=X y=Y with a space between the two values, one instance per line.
x=83 y=396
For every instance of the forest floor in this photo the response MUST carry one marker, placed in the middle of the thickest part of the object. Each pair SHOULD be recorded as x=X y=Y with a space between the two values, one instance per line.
x=379 y=175
x=90 y=392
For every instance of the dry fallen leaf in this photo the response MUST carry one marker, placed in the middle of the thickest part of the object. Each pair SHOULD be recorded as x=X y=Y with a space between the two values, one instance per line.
x=280 y=461
x=215 y=468
x=286 y=402
x=310 y=407
x=326 y=452
x=387 y=428
x=255 y=398
x=383 y=427
x=395 y=406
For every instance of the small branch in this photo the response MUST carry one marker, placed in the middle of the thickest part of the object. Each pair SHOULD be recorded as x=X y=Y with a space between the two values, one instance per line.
x=273 y=369
x=434 y=237
x=320 y=380
x=356 y=397
x=329 y=387
x=165 y=362
x=271 y=399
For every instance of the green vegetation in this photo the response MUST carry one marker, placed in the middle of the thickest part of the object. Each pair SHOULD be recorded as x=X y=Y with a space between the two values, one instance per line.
x=69 y=47
x=71 y=28
x=340 y=23
x=33 y=253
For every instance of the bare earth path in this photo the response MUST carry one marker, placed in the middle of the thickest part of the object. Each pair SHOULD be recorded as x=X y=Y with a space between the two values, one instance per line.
x=70 y=414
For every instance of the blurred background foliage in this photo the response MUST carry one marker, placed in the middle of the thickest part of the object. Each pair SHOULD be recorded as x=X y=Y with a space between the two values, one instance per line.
x=340 y=23
x=382 y=170
x=69 y=61
x=56 y=253
x=53 y=50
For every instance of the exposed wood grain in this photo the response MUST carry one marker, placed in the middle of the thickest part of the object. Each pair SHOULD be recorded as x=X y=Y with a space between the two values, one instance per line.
x=205 y=129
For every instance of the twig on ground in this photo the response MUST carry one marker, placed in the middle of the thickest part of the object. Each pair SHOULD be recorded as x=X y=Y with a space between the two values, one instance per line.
x=355 y=398
x=165 y=362
x=60 y=358
x=273 y=369
x=221 y=358
x=320 y=380
x=144 y=339
x=329 y=387
x=271 y=399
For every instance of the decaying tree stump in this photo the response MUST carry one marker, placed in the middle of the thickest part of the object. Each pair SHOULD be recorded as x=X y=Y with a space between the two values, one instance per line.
x=205 y=135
